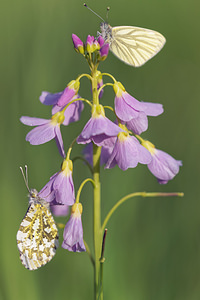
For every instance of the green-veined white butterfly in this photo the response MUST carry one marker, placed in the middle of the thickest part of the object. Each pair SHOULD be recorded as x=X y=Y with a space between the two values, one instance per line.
x=133 y=45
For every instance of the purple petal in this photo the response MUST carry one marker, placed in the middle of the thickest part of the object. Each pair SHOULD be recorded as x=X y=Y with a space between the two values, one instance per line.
x=41 y=134
x=152 y=109
x=59 y=141
x=73 y=235
x=127 y=154
x=124 y=111
x=59 y=210
x=139 y=124
x=64 y=189
x=31 y=121
x=164 y=166
x=101 y=125
x=49 y=98
x=47 y=192
x=66 y=97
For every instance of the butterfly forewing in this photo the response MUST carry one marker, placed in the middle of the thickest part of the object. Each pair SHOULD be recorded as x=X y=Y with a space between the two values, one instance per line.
x=133 y=45
x=37 y=237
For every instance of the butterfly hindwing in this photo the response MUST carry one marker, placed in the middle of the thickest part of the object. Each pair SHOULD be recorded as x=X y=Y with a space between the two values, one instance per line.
x=37 y=237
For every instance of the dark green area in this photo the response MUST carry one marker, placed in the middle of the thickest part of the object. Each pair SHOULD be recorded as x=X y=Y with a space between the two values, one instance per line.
x=153 y=245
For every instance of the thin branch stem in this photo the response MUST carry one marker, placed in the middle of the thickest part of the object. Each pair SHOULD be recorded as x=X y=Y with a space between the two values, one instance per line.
x=109 y=75
x=81 y=187
x=85 y=161
x=141 y=194
x=103 y=86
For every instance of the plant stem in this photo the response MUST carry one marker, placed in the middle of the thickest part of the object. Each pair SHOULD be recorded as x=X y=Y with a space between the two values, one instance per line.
x=97 y=201
x=97 y=217
x=141 y=194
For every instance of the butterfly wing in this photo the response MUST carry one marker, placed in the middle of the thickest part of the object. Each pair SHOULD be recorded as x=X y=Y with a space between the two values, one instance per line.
x=37 y=237
x=135 y=45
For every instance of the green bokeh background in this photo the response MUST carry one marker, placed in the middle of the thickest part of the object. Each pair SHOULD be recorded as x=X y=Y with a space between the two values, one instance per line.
x=153 y=245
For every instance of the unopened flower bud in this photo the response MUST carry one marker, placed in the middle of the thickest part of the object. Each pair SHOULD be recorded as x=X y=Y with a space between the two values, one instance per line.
x=104 y=51
x=78 y=44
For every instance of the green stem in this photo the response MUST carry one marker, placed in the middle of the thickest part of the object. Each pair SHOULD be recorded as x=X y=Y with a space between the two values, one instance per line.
x=102 y=260
x=97 y=216
x=141 y=194
x=81 y=187
x=97 y=233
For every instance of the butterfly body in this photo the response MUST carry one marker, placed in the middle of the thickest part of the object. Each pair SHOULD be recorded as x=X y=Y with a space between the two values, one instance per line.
x=37 y=237
x=133 y=45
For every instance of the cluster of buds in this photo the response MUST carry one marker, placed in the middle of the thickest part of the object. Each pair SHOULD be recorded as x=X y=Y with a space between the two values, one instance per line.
x=120 y=141
x=92 y=46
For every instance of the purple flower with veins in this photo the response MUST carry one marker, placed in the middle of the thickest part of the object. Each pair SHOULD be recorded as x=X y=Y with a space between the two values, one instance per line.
x=163 y=166
x=98 y=128
x=60 y=100
x=59 y=209
x=106 y=151
x=130 y=110
x=73 y=232
x=127 y=152
x=60 y=188
x=45 y=130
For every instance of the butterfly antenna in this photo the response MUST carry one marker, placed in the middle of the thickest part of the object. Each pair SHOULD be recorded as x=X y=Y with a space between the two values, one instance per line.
x=25 y=176
x=94 y=12
x=108 y=8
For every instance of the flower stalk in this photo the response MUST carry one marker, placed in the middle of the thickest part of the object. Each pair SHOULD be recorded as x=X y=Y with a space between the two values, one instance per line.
x=107 y=142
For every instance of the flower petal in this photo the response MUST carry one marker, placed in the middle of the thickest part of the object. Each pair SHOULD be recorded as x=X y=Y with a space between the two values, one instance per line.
x=49 y=98
x=41 y=134
x=59 y=141
x=163 y=166
x=31 y=121
x=123 y=110
x=139 y=124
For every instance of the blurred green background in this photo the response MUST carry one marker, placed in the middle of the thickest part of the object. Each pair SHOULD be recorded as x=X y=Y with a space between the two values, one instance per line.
x=153 y=245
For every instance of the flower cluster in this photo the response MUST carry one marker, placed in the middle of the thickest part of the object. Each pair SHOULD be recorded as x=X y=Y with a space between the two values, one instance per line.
x=120 y=141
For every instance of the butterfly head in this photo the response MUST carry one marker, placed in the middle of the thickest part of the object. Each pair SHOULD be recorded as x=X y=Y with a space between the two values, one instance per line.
x=33 y=193
x=106 y=32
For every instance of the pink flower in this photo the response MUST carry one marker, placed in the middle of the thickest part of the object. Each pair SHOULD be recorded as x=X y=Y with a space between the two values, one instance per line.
x=78 y=44
x=128 y=109
x=73 y=232
x=45 y=130
x=60 y=100
x=98 y=128
x=163 y=166
x=127 y=152
x=60 y=188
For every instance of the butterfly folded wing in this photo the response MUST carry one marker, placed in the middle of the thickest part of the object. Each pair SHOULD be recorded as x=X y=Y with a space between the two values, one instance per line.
x=37 y=237
x=135 y=45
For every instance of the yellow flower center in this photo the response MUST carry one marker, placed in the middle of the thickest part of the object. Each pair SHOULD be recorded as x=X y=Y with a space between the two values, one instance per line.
x=74 y=84
x=98 y=111
x=149 y=146
x=77 y=209
x=118 y=89
x=122 y=136
x=58 y=118
x=67 y=167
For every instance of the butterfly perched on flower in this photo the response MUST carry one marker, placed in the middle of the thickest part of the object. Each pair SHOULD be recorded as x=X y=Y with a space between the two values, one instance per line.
x=133 y=45
x=37 y=237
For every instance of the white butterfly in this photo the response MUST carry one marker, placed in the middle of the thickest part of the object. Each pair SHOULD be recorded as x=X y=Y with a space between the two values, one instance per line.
x=37 y=237
x=133 y=45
